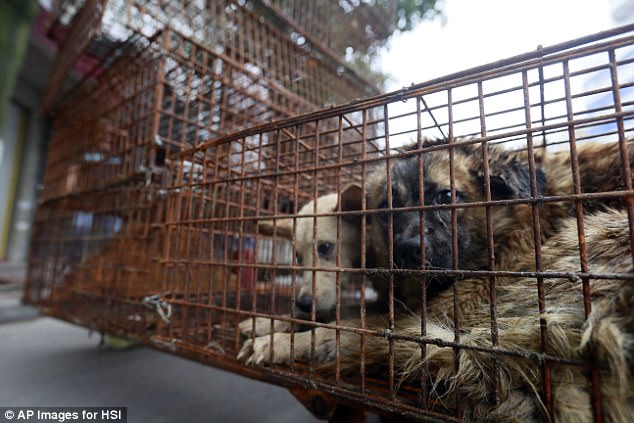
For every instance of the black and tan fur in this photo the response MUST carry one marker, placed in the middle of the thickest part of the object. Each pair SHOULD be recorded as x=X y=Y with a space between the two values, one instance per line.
x=600 y=170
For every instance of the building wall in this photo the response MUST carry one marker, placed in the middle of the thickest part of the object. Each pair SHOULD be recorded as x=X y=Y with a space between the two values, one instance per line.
x=25 y=137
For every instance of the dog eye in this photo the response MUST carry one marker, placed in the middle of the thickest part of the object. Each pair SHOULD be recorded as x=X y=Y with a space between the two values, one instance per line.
x=298 y=258
x=444 y=197
x=325 y=248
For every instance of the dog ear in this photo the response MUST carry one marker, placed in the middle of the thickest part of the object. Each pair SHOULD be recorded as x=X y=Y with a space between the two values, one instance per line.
x=351 y=197
x=351 y=200
x=510 y=177
x=284 y=228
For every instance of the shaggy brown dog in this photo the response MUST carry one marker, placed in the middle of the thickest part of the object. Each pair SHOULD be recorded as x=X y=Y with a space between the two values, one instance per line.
x=509 y=178
x=608 y=331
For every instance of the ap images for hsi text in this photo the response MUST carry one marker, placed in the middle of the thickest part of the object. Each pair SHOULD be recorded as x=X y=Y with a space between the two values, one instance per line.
x=68 y=416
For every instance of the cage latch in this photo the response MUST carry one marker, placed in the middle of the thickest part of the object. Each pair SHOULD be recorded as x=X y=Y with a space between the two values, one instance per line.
x=163 y=308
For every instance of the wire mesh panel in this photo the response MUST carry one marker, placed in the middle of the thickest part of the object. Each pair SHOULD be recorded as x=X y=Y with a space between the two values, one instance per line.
x=253 y=39
x=458 y=250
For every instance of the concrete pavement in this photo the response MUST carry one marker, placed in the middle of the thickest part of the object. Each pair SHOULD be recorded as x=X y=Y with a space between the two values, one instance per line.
x=47 y=362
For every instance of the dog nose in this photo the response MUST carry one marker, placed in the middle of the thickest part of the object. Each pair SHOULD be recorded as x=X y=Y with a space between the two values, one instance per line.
x=305 y=303
x=409 y=253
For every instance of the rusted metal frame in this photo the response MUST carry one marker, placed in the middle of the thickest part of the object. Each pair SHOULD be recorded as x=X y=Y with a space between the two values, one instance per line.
x=490 y=246
x=185 y=197
x=380 y=333
x=100 y=208
x=338 y=259
x=171 y=113
x=79 y=148
x=258 y=196
x=299 y=120
x=390 y=249
x=267 y=82
x=275 y=67
x=120 y=180
x=323 y=157
x=171 y=238
x=199 y=105
x=286 y=62
x=279 y=376
x=277 y=143
x=454 y=242
x=58 y=247
x=331 y=55
x=587 y=305
x=542 y=97
x=549 y=55
x=271 y=106
x=592 y=122
x=307 y=147
x=202 y=201
x=550 y=199
x=118 y=118
x=421 y=99
x=533 y=84
x=443 y=272
x=226 y=179
x=240 y=23
x=425 y=377
x=297 y=146
x=625 y=158
x=362 y=340
x=188 y=228
x=201 y=246
x=80 y=32
x=579 y=138
x=211 y=93
x=537 y=234
x=241 y=239
x=119 y=254
x=220 y=219
x=215 y=202
x=227 y=231
x=87 y=238
x=510 y=110
x=313 y=306
x=250 y=38
x=224 y=115
x=514 y=64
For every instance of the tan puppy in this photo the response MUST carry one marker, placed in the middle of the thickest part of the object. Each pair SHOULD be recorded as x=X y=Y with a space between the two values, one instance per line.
x=317 y=288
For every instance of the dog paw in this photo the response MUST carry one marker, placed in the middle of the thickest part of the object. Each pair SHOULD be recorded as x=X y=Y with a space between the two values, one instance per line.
x=326 y=351
x=258 y=350
x=246 y=326
x=262 y=326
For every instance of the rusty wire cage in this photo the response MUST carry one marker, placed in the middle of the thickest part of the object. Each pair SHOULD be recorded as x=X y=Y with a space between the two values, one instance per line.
x=152 y=225
x=170 y=77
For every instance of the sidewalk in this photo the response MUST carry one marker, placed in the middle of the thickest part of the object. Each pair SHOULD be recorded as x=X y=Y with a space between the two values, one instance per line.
x=47 y=362
x=12 y=278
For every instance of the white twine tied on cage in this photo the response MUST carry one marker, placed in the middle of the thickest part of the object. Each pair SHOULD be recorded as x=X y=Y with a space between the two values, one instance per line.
x=163 y=308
